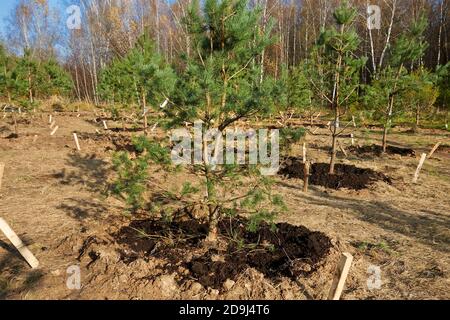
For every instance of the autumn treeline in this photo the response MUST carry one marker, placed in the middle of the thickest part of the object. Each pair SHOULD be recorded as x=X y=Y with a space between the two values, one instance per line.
x=110 y=28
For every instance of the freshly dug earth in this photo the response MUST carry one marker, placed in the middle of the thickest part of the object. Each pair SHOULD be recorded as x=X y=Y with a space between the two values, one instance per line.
x=346 y=176
x=376 y=150
x=281 y=250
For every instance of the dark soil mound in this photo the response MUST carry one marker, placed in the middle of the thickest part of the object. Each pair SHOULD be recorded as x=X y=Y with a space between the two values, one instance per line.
x=345 y=176
x=375 y=150
x=275 y=251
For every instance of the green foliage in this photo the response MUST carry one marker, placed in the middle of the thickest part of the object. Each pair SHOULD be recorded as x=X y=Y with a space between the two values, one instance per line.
x=142 y=75
x=391 y=90
x=333 y=68
x=132 y=172
x=21 y=76
x=443 y=83
x=299 y=88
x=220 y=82
x=6 y=66
x=421 y=92
x=55 y=80
x=411 y=45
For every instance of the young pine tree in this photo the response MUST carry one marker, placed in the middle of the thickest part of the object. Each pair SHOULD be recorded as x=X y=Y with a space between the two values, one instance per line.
x=6 y=81
x=392 y=81
x=301 y=94
x=55 y=80
x=443 y=83
x=421 y=92
x=25 y=75
x=334 y=74
x=142 y=77
x=219 y=85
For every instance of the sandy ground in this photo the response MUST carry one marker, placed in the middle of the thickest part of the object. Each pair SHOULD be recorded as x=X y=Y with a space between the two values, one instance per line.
x=52 y=193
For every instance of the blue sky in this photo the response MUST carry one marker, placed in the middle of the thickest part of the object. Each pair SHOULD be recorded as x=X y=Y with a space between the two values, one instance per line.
x=5 y=8
x=7 y=5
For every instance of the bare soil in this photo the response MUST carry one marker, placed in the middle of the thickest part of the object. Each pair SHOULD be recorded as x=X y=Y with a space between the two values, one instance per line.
x=57 y=201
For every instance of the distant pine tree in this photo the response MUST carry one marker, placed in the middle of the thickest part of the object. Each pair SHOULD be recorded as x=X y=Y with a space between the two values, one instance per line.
x=141 y=77
x=334 y=69
x=384 y=94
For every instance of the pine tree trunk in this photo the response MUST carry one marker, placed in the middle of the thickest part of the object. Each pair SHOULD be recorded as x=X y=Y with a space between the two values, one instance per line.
x=213 y=211
x=144 y=104
x=16 y=132
x=385 y=133
x=333 y=154
x=30 y=90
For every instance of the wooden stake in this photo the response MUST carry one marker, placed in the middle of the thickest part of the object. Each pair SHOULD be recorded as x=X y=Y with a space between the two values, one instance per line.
x=340 y=276
x=75 y=137
x=20 y=246
x=2 y=169
x=353 y=139
x=419 y=167
x=342 y=149
x=105 y=125
x=315 y=130
x=306 y=173
x=317 y=117
x=434 y=150
x=154 y=127
x=35 y=139
x=304 y=152
x=49 y=119
x=354 y=122
x=52 y=124
x=54 y=131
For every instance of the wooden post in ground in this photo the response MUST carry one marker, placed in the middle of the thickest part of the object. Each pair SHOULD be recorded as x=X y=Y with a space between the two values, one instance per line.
x=75 y=137
x=304 y=152
x=419 y=167
x=353 y=139
x=354 y=122
x=50 y=119
x=2 y=170
x=20 y=246
x=105 y=125
x=52 y=124
x=342 y=149
x=35 y=138
x=434 y=150
x=306 y=173
x=54 y=131
x=340 y=276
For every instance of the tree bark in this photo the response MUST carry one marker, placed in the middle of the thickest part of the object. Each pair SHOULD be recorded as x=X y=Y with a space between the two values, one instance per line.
x=144 y=107
x=333 y=151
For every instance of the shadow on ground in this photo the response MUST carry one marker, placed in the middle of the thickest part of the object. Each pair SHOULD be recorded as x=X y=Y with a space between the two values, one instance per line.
x=16 y=277
x=430 y=228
